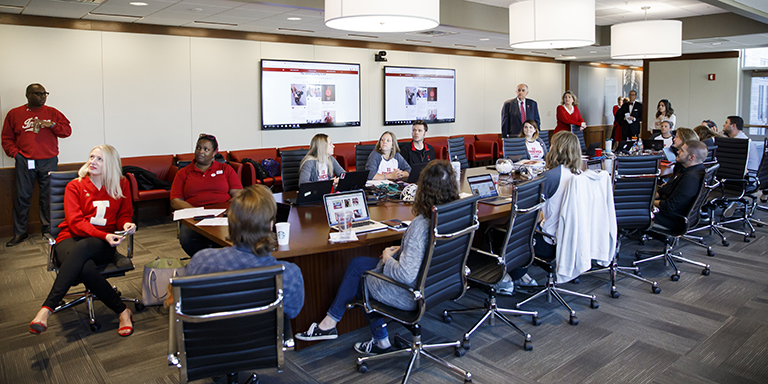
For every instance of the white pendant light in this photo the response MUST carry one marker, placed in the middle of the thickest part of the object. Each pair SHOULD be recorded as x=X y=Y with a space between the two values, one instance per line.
x=648 y=39
x=547 y=24
x=382 y=15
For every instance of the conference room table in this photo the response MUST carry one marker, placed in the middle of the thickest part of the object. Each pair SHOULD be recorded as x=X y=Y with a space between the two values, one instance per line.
x=323 y=263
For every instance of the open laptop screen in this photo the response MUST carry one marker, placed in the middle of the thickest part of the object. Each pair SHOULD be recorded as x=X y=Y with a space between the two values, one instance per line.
x=482 y=185
x=337 y=203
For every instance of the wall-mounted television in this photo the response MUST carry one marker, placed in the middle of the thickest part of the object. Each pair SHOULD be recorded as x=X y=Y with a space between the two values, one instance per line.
x=412 y=94
x=308 y=94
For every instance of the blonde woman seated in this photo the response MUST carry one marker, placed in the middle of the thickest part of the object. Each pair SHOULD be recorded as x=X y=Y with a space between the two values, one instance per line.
x=319 y=163
x=385 y=161
x=535 y=147
x=96 y=205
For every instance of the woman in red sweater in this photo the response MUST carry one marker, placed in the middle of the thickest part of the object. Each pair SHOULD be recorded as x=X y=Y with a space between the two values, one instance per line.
x=568 y=113
x=96 y=205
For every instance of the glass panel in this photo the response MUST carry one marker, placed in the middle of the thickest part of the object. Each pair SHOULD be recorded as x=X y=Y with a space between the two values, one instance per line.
x=758 y=103
x=755 y=57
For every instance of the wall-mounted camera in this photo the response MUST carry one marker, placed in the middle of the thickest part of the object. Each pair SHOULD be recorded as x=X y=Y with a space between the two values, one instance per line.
x=380 y=56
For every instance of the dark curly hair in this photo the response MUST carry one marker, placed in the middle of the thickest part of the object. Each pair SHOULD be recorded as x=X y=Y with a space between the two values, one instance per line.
x=437 y=186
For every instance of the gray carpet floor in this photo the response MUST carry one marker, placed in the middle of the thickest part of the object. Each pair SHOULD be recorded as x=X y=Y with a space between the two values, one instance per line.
x=701 y=329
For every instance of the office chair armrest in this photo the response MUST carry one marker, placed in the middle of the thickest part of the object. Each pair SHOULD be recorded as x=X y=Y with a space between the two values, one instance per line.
x=51 y=244
x=547 y=235
x=448 y=236
x=387 y=279
x=643 y=176
x=228 y=314
x=530 y=209
x=366 y=306
x=498 y=258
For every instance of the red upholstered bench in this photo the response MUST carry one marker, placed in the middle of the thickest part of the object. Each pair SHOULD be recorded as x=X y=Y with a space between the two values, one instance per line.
x=490 y=138
x=345 y=155
x=162 y=166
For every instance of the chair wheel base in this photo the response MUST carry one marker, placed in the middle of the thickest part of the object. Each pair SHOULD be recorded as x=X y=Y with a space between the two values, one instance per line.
x=535 y=321
x=459 y=351
x=138 y=306
x=615 y=294
x=528 y=346
x=95 y=327
x=710 y=252
x=675 y=277
x=466 y=345
x=362 y=367
x=447 y=318
x=726 y=243
x=638 y=273
x=594 y=304
x=705 y=271
x=574 y=320
x=746 y=239
x=656 y=290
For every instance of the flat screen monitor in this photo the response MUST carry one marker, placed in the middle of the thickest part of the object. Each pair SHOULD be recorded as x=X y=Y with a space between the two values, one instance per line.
x=308 y=94
x=412 y=94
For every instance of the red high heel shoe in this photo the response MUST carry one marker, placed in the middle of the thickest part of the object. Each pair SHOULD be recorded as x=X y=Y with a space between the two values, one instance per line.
x=126 y=331
x=37 y=327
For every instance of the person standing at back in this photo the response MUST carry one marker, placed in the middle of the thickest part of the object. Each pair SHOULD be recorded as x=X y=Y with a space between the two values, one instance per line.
x=516 y=111
x=418 y=151
x=630 y=115
x=31 y=135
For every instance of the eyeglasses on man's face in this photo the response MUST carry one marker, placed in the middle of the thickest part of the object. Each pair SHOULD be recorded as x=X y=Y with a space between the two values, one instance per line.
x=40 y=93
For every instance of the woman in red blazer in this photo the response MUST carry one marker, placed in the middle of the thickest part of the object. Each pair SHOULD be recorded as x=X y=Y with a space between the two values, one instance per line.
x=568 y=113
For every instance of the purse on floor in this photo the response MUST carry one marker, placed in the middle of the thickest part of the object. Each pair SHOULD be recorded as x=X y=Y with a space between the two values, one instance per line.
x=157 y=275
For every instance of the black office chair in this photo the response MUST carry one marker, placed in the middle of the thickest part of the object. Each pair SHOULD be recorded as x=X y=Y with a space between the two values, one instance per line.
x=516 y=251
x=117 y=267
x=227 y=322
x=580 y=134
x=457 y=150
x=291 y=163
x=762 y=180
x=442 y=276
x=735 y=185
x=671 y=236
x=362 y=151
x=544 y=136
x=711 y=155
x=514 y=147
x=634 y=190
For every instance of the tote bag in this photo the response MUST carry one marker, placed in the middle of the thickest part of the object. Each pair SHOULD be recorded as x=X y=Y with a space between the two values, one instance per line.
x=157 y=275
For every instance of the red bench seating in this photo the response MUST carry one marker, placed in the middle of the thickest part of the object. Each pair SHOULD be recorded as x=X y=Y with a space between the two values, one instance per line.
x=162 y=166
x=491 y=138
x=345 y=155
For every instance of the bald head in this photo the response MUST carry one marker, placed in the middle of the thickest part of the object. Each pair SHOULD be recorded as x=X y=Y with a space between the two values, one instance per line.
x=36 y=95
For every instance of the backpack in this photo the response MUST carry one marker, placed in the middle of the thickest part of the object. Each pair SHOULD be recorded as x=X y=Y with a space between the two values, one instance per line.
x=261 y=172
x=272 y=166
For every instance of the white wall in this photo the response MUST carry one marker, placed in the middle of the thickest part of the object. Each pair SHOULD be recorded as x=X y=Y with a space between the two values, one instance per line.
x=154 y=94
x=684 y=83
x=595 y=100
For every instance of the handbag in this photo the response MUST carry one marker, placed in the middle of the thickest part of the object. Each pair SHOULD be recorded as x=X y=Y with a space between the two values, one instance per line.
x=157 y=275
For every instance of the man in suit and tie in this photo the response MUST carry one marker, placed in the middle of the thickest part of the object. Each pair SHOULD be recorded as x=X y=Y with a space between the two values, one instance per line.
x=629 y=116
x=516 y=111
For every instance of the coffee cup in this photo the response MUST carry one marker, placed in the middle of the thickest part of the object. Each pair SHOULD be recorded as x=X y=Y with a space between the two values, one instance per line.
x=283 y=233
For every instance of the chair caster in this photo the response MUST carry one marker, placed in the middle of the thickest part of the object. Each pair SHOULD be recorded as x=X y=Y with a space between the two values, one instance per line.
x=459 y=351
x=362 y=367
x=726 y=243
x=574 y=320
x=535 y=321
x=466 y=344
x=95 y=327
x=746 y=239
x=638 y=273
x=138 y=306
x=447 y=318
x=752 y=235
x=705 y=271
x=637 y=255
x=615 y=294
x=675 y=277
x=528 y=346
x=710 y=252
x=594 y=304
x=576 y=281
x=655 y=289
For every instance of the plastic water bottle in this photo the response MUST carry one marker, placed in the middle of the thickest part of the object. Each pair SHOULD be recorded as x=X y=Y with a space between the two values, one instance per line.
x=456 y=164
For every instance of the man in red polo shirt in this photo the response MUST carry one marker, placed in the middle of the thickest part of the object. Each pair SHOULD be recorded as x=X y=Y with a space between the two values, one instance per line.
x=31 y=135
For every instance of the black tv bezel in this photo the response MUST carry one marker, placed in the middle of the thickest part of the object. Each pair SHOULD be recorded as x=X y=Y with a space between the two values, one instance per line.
x=273 y=127
x=409 y=122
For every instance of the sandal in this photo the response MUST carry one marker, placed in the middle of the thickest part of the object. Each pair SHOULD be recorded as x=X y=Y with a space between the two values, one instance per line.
x=127 y=330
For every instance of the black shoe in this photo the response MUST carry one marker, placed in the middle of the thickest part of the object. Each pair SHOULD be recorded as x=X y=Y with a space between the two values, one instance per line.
x=16 y=240
x=370 y=348
x=314 y=333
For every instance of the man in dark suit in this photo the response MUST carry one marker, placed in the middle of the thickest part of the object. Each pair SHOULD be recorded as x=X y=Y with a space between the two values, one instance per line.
x=629 y=116
x=676 y=196
x=516 y=111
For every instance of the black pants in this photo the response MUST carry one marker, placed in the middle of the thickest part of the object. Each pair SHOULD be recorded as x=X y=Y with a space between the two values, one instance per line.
x=78 y=258
x=25 y=183
x=192 y=241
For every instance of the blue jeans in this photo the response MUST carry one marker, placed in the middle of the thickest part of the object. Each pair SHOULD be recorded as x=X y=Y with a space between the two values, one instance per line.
x=351 y=288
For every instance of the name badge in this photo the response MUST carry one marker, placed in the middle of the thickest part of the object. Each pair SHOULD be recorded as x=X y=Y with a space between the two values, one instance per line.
x=219 y=172
x=30 y=164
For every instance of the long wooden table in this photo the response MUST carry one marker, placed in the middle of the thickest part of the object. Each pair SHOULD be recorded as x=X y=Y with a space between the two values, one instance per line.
x=323 y=263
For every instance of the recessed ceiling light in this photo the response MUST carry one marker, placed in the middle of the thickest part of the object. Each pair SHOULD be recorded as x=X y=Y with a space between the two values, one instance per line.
x=592 y=51
x=484 y=39
x=196 y=9
x=138 y=3
x=294 y=18
x=717 y=43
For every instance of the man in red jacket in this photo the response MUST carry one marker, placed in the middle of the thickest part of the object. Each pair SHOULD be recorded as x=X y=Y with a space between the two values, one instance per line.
x=30 y=136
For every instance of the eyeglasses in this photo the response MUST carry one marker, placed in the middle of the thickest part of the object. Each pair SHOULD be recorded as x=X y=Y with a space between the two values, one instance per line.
x=40 y=93
x=207 y=136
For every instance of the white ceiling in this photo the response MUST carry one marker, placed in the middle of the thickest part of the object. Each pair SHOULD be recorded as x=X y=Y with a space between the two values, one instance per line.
x=251 y=16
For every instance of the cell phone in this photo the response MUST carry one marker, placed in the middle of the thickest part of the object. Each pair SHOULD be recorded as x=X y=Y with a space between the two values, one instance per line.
x=120 y=233
x=198 y=218
x=394 y=223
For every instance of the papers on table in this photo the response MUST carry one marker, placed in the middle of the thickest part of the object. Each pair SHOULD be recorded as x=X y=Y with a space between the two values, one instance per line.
x=336 y=237
x=188 y=213
x=376 y=183
x=214 y=222
x=463 y=195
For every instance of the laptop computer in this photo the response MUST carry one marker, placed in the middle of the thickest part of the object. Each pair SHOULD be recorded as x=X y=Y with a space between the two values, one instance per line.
x=625 y=146
x=337 y=203
x=416 y=169
x=483 y=185
x=350 y=181
x=656 y=145
x=312 y=192
x=591 y=149
x=283 y=213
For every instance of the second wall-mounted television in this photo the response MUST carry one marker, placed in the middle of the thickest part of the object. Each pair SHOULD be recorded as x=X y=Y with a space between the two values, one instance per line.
x=412 y=94
x=308 y=94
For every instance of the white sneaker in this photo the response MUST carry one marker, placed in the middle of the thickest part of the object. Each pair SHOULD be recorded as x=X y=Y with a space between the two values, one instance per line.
x=526 y=281
x=506 y=286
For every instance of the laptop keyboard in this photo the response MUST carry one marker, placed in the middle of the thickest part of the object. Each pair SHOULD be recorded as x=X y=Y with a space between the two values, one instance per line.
x=362 y=223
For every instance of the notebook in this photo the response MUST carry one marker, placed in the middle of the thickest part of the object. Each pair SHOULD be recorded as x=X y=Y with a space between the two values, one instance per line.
x=337 y=203
x=350 y=181
x=482 y=185
x=312 y=192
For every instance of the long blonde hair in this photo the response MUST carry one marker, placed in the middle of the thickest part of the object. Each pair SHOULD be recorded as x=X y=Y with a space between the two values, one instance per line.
x=113 y=170
x=565 y=150
x=318 y=150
